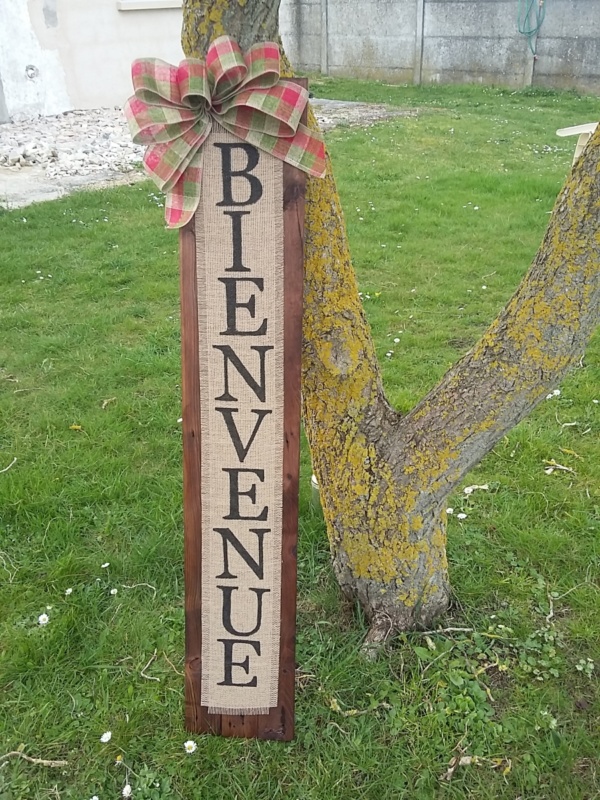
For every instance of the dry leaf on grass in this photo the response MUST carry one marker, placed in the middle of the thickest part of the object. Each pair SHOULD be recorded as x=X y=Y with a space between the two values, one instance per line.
x=568 y=452
x=552 y=466
x=505 y=764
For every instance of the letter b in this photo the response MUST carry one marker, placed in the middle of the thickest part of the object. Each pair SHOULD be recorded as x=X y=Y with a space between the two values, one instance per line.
x=229 y=173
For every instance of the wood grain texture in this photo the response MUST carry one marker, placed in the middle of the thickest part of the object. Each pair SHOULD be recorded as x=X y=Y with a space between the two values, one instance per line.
x=279 y=723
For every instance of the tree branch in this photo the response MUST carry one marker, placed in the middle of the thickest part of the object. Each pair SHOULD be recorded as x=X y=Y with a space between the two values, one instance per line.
x=41 y=762
x=525 y=352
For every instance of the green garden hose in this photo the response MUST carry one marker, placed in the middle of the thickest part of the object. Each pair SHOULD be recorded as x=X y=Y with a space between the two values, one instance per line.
x=530 y=18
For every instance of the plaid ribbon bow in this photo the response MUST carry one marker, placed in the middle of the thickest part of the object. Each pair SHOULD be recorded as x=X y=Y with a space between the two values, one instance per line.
x=173 y=108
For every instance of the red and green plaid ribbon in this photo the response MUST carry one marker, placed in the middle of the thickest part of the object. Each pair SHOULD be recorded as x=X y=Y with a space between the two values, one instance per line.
x=173 y=108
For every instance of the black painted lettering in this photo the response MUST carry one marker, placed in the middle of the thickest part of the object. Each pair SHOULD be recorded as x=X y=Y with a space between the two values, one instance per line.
x=229 y=173
x=232 y=304
x=229 y=355
x=229 y=663
x=226 y=610
x=236 y=238
x=241 y=449
x=235 y=493
x=256 y=565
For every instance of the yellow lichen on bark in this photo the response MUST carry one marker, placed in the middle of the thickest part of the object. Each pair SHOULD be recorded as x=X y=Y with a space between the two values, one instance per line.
x=204 y=22
x=198 y=22
x=369 y=513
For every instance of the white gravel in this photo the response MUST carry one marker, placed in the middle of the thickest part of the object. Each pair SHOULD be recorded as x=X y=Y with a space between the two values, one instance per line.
x=73 y=143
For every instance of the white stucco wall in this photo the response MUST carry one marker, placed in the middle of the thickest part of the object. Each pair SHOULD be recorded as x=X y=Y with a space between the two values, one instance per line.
x=41 y=88
x=79 y=52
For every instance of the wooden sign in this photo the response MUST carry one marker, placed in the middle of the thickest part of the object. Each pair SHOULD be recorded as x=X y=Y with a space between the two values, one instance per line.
x=241 y=290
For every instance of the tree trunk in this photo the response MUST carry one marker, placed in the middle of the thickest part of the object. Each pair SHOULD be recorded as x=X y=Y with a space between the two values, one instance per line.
x=383 y=477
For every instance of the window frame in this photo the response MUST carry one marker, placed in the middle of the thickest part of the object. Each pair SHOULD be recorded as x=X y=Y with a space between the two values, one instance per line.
x=147 y=5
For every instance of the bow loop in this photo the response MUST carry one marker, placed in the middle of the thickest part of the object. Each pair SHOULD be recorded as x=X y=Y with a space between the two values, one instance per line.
x=263 y=63
x=226 y=68
x=149 y=124
x=155 y=82
x=277 y=111
x=173 y=108
x=194 y=84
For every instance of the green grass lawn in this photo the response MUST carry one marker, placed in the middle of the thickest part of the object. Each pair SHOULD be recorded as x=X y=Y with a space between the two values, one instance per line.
x=445 y=211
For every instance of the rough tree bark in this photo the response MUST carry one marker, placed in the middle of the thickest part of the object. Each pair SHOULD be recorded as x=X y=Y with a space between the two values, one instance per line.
x=384 y=477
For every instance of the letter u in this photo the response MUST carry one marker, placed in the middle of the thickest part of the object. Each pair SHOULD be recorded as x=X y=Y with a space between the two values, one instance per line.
x=226 y=616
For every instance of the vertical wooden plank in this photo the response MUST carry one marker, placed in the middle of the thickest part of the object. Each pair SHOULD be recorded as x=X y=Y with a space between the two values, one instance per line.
x=192 y=507
x=192 y=511
x=279 y=723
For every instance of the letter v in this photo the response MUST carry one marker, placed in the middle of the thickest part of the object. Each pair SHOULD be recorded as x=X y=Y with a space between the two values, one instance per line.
x=240 y=449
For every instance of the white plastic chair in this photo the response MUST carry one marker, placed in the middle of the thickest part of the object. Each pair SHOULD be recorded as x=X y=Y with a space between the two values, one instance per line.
x=583 y=131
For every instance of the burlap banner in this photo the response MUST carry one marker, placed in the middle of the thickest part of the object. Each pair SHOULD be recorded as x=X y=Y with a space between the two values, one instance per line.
x=240 y=269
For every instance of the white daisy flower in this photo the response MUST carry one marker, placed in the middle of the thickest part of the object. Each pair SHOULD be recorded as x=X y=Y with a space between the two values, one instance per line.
x=114 y=591
x=461 y=516
x=67 y=593
x=106 y=737
x=43 y=619
x=449 y=511
x=104 y=566
x=190 y=746
x=126 y=790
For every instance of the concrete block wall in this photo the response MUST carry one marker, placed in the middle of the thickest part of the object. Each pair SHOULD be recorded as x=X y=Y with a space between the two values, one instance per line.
x=372 y=40
x=300 y=26
x=568 y=46
x=445 y=41
x=477 y=41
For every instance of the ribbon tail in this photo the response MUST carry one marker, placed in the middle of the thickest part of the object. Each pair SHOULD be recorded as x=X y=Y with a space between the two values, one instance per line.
x=183 y=197
x=307 y=150
x=165 y=162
